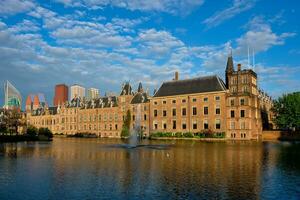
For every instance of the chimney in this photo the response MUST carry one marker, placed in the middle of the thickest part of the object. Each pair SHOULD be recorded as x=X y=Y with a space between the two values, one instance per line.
x=239 y=67
x=176 y=78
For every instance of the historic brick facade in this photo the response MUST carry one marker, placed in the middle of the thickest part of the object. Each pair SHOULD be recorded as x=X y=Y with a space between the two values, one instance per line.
x=190 y=105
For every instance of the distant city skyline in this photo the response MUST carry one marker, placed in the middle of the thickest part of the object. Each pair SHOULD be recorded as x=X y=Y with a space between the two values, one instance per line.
x=105 y=43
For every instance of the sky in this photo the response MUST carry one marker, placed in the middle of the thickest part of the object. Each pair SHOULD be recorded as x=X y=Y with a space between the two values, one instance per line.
x=103 y=43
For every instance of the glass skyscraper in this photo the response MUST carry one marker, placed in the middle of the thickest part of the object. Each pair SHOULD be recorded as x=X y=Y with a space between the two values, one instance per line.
x=13 y=97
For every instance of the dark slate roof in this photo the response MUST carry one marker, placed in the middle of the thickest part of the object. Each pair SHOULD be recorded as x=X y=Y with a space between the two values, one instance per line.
x=229 y=66
x=140 y=97
x=191 y=86
x=126 y=89
x=53 y=110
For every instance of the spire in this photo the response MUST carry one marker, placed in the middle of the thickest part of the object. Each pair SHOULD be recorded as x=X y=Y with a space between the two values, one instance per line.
x=229 y=66
x=140 y=88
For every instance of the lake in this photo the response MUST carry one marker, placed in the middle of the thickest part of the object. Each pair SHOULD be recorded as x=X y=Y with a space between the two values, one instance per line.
x=74 y=168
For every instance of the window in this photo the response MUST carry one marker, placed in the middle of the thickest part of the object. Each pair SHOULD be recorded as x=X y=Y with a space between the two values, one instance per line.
x=174 y=124
x=232 y=135
x=165 y=126
x=145 y=117
x=217 y=98
x=116 y=126
x=183 y=111
x=133 y=117
x=243 y=135
x=232 y=102
x=155 y=113
x=194 y=111
x=218 y=110
x=232 y=113
x=174 y=101
x=155 y=126
x=205 y=124
x=155 y=102
x=174 y=112
x=242 y=113
x=183 y=100
x=218 y=124
x=195 y=125
x=232 y=125
x=164 y=113
x=233 y=89
x=194 y=100
x=205 y=110
x=164 y=102
x=242 y=101
x=245 y=89
x=183 y=125
x=205 y=99
x=243 y=125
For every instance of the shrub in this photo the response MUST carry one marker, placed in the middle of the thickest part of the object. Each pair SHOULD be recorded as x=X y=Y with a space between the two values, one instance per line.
x=46 y=132
x=32 y=131
x=188 y=135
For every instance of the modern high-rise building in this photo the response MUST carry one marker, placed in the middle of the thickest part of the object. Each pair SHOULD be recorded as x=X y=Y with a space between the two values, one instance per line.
x=61 y=94
x=92 y=93
x=13 y=97
x=77 y=91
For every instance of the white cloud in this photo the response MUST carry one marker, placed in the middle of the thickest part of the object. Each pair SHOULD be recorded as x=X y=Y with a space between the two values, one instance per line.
x=176 y=7
x=260 y=37
x=11 y=7
x=237 y=7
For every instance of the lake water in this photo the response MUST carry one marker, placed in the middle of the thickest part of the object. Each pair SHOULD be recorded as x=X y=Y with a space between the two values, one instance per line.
x=72 y=168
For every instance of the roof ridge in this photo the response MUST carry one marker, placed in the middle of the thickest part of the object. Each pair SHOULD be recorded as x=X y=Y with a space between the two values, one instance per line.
x=190 y=79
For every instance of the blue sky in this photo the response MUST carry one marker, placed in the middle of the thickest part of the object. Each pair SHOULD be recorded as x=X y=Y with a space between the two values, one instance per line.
x=102 y=43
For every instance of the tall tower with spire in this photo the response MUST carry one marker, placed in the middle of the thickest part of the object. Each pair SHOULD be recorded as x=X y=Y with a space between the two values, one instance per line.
x=229 y=69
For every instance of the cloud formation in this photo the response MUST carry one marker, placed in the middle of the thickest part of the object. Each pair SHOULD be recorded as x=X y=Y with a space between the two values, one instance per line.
x=176 y=7
x=237 y=7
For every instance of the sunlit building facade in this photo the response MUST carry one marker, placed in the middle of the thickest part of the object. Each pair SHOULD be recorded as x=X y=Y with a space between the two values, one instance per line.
x=198 y=105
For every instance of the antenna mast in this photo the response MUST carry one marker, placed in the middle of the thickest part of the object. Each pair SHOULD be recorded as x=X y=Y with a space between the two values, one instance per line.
x=248 y=58
x=253 y=59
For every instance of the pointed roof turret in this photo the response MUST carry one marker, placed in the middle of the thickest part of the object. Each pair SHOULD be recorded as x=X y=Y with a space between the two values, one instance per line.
x=140 y=88
x=36 y=101
x=229 y=66
x=29 y=100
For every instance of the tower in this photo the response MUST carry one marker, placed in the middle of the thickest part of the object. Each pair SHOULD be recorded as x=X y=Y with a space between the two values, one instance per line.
x=61 y=94
x=229 y=69
x=243 y=117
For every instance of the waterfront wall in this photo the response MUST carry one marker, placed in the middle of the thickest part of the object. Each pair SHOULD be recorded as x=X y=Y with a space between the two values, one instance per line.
x=280 y=135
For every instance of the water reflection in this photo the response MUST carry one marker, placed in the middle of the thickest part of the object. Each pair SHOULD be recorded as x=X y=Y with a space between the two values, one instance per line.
x=70 y=168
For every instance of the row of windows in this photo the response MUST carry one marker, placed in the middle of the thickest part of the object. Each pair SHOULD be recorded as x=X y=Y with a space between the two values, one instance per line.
x=242 y=125
x=184 y=111
x=242 y=102
x=205 y=99
x=184 y=125
x=244 y=80
x=243 y=135
x=242 y=113
x=244 y=89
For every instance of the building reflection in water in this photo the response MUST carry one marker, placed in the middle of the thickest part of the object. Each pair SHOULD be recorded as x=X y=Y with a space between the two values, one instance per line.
x=91 y=168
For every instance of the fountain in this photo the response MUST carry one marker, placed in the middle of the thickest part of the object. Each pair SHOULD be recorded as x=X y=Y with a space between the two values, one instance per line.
x=136 y=133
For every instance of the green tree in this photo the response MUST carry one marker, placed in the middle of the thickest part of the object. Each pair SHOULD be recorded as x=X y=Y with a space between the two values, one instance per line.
x=46 y=132
x=287 y=111
x=126 y=125
x=32 y=131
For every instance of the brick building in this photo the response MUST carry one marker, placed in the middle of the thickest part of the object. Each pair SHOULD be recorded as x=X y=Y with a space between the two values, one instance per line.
x=189 y=105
